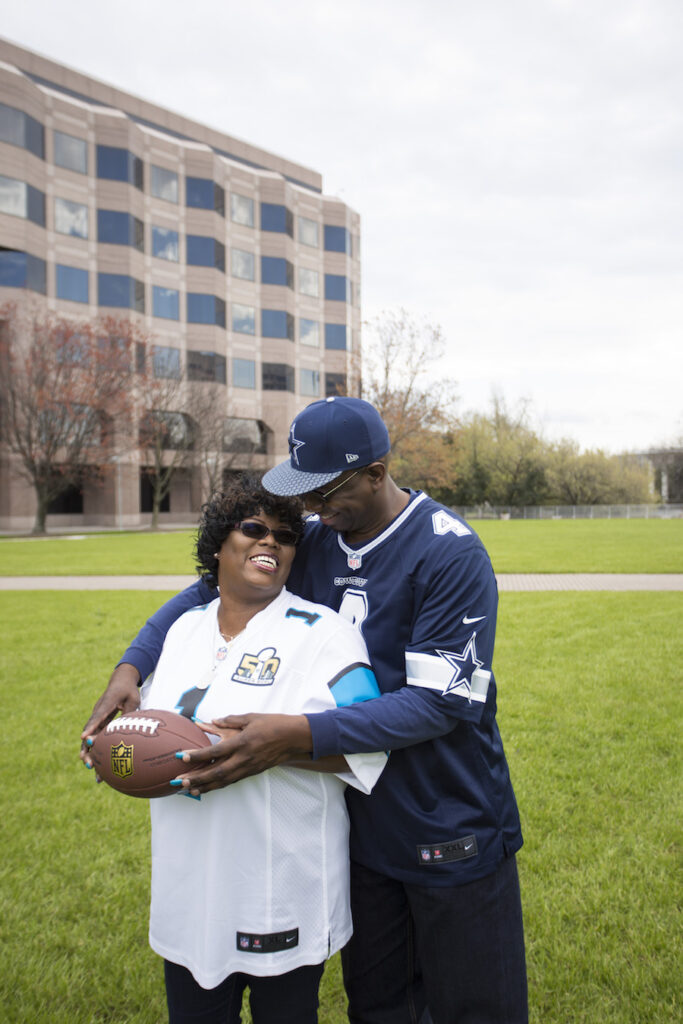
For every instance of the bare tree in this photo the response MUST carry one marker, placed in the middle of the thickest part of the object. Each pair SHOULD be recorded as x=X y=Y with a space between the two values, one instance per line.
x=166 y=433
x=401 y=375
x=63 y=384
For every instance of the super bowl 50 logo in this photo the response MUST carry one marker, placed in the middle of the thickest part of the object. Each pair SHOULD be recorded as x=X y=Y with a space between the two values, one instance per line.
x=257 y=669
x=122 y=760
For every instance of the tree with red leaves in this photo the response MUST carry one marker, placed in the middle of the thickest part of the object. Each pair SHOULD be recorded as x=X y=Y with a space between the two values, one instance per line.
x=65 y=398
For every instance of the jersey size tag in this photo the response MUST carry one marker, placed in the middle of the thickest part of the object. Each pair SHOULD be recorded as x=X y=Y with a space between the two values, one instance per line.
x=439 y=853
x=276 y=942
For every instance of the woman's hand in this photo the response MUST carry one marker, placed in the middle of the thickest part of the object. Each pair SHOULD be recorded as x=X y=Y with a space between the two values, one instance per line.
x=249 y=744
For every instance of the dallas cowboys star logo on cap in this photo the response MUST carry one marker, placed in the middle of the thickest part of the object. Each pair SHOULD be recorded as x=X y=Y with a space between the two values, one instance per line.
x=294 y=445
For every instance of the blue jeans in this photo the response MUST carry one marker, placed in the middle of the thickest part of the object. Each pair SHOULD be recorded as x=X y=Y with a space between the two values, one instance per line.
x=458 y=951
x=290 y=998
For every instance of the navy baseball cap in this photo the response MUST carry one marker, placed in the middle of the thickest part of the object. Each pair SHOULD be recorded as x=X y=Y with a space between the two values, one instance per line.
x=326 y=438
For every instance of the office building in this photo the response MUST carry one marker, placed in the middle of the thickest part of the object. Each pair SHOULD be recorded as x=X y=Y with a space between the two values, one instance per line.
x=233 y=260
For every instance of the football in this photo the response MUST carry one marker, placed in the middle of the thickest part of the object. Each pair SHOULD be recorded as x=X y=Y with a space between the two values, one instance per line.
x=135 y=753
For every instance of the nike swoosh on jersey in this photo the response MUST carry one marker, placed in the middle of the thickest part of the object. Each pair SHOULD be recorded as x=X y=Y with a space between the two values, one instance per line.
x=467 y=620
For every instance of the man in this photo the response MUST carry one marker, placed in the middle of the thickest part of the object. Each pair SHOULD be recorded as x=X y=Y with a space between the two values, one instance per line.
x=435 y=896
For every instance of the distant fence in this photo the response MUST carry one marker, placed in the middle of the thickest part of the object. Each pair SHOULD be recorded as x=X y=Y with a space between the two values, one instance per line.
x=572 y=512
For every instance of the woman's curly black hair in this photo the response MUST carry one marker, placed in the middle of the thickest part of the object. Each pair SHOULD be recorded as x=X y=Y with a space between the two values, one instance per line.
x=243 y=497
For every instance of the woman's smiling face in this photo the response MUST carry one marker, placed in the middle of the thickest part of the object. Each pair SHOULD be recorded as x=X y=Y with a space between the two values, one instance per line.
x=255 y=568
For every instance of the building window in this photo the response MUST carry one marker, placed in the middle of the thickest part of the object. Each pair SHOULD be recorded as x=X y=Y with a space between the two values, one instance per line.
x=337 y=239
x=243 y=318
x=22 y=200
x=204 y=194
x=277 y=377
x=35 y=200
x=203 y=251
x=276 y=323
x=242 y=264
x=20 y=129
x=13 y=197
x=71 y=153
x=164 y=184
x=165 y=303
x=309 y=382
x=116 y=164
x=243 y=373
x=147 y=478
x=309 y=332
x=335 y=384
x=68 y=503
x=166 y=361
x=118 y=228
x=165 y=244
x=121 y=291
x=22 y=270
x=172 y=430
x=71 y=218
x=337 y=287
x=205 y=309
x=206 y=366
x=140 y=357
x=245 y=436
x=275 y=270
x=277 y=218
x=242 y=210
x=335 y=336
x=72 y=283
x=308 y=232
x=308 y=282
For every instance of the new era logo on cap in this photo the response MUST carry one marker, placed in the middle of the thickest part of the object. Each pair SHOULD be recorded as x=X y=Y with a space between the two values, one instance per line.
x=325 y=438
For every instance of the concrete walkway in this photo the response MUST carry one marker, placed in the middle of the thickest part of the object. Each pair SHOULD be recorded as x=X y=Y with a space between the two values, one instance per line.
x=506 y=582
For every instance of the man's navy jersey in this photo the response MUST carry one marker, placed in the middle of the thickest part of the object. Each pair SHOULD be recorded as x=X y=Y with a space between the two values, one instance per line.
x=424 y=595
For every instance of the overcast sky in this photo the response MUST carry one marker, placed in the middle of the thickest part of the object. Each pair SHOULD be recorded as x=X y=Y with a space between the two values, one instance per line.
x=516 y=164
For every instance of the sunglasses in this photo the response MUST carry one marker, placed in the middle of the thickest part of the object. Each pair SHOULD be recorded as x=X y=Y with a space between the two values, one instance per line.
x=319 y=498
x=257 y=531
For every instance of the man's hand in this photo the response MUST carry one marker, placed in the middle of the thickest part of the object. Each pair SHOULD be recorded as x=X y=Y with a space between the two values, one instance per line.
x=122 y=694
x=249 y=745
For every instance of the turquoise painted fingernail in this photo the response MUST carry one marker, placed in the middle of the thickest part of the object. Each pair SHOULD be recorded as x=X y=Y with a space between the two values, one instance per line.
x=179 y=754
x=176 y=782
x=89 y=766
x=89 y=741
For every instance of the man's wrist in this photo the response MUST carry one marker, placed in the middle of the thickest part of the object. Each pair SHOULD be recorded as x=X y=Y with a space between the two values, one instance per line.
x=126 y=673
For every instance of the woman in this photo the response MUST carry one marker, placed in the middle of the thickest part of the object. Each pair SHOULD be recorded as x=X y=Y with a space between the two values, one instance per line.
x=250 y=882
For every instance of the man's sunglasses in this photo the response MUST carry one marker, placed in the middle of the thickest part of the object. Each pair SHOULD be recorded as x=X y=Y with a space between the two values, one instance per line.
x=317 y=499
x=257 y=531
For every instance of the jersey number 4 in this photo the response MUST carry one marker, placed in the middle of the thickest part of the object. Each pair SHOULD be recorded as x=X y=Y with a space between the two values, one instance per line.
x=354 y=607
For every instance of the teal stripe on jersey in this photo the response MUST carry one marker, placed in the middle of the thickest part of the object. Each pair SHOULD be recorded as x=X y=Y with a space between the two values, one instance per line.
x=355 y=685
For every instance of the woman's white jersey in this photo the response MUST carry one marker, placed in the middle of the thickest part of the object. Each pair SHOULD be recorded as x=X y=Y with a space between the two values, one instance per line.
x=254 y=877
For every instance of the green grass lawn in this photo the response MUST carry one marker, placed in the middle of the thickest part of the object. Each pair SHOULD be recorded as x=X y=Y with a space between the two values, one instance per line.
x=590 y=711
x=581 y=545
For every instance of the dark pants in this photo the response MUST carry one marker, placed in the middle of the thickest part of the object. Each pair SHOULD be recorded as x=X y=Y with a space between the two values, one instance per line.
x=290 y=998
x=458 y=950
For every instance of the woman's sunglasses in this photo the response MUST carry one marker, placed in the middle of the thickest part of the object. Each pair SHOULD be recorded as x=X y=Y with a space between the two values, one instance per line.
x=257 y=531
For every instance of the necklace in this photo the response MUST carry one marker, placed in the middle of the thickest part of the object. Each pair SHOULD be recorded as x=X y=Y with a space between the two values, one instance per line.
x=227 y=636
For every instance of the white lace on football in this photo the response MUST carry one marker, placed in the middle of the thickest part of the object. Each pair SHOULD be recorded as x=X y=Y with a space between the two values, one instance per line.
x=146 y=725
